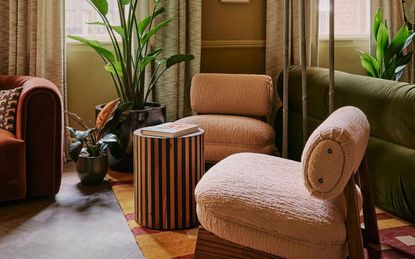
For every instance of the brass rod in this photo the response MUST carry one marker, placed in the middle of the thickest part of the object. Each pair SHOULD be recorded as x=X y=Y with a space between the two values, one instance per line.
x=331 y=58
x=285 y=83
x=303 y=69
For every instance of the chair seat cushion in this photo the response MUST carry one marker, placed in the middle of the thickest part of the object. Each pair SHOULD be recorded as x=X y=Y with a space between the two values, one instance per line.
x=12 y=167
x=6 y=134
x=260 y=201
x=226 y=135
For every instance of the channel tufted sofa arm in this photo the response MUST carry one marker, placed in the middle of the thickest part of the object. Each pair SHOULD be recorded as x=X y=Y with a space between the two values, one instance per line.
x=39 y=124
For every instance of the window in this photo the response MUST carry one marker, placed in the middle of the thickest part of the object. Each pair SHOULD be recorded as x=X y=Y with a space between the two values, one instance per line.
x=78 y=12
x=352 y=18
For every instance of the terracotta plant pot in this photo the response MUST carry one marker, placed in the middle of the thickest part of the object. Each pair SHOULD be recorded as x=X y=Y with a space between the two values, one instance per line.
x=153 y=114
x=92 y=170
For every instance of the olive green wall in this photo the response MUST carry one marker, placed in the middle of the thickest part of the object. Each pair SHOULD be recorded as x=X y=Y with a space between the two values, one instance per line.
x=233 y=38
x=346 y=55
x=88 y=83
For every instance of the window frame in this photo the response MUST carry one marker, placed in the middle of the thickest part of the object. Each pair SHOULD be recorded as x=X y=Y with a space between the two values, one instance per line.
x=104 y=39
x=345 y=36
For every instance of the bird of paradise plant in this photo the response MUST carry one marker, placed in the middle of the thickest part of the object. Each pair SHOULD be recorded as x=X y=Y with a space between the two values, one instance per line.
x=130 y=54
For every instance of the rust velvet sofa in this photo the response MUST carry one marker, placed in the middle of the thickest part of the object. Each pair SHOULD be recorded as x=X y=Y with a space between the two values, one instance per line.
x=31 y=158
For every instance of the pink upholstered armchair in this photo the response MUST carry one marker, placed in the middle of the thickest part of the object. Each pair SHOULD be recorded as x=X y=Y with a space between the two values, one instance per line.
x=232 y=109
x=31 y=158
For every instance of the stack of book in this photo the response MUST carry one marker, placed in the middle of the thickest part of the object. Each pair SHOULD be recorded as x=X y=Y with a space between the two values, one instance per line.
x=169 y=130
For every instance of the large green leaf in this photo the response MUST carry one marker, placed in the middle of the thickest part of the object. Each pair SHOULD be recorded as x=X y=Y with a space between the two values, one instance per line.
x=145 y=22
x=408 y=40
x=376 y=22
x=118 y=68
x=176 y=59
x=159 y=11
x=82 y=135
x=117 y=29
x=72 y=132
x=389 y=71
x=150 y=57
x=125 y=2
x=101 y=5
x=147 y=36
x=96 y=45
x=370 y=64
x=399 y=69
x=109 y=139
x=74 y=150
x=403 y=60
x=382 y=42
x=397 y=44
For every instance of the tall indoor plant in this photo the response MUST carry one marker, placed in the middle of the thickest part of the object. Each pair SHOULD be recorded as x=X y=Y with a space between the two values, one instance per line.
x=128 y=61
x=391 y=55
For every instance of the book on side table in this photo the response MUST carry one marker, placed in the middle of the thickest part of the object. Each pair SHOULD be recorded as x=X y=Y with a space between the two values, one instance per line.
x=169 y=130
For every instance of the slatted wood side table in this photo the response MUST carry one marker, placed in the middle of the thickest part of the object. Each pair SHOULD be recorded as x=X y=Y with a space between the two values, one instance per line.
x=166 y=171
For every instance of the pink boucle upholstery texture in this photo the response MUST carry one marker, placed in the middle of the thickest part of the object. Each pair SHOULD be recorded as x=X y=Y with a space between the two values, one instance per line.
x=226 y=135
x=260 y=201
x=249 y=95
x=334 y=151
x=231 y=109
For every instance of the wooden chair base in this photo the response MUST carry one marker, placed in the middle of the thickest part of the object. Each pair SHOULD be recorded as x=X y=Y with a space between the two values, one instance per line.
x=209 y=245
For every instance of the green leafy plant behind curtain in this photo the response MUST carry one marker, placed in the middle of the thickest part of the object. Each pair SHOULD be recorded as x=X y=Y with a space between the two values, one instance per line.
x=390 y=60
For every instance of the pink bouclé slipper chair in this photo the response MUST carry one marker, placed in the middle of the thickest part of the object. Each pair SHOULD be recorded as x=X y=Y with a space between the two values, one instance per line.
x=232 y=110
x=260 y=206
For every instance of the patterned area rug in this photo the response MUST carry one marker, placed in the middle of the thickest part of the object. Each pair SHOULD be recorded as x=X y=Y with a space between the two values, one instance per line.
x=153 y=243
x=398 y=236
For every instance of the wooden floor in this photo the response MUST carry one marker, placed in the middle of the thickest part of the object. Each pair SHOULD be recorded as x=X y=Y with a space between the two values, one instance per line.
x=82 y=222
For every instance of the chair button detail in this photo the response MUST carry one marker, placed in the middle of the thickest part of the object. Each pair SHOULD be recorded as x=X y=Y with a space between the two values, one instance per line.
x=320 y=180
x=330 y=150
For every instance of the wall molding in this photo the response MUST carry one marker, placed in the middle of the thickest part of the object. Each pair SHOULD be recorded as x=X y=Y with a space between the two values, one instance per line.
x=232 y=44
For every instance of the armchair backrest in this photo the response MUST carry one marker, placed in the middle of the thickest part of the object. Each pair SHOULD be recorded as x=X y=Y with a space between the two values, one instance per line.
x=233 y=94
x=334 y=152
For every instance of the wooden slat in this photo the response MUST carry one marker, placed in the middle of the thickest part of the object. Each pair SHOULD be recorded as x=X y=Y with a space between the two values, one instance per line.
x=331 y=58
x=371 y=231
x=354 y=235
x=304 y=69
x=285 y=83
x=209 y=246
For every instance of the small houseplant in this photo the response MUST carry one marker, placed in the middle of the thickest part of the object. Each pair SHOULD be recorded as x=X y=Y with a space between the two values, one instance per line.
x=90 y=145
x=391 y=55
x=128 y=61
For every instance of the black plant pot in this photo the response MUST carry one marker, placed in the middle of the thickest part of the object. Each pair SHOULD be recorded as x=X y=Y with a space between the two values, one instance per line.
x=153 y=114
x=92 y=170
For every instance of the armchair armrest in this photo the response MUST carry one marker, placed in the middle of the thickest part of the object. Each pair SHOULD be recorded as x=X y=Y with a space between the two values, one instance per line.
x=39 y=123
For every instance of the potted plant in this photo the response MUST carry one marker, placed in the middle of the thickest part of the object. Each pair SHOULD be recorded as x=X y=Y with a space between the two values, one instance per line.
x=90 y=145
x=128 y=61
x=391 y=55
